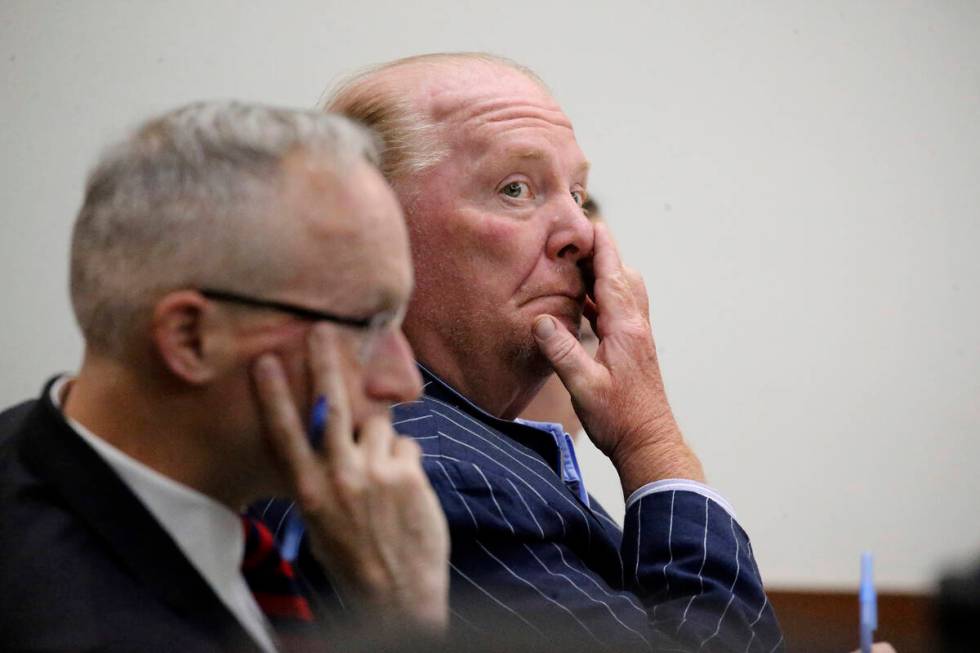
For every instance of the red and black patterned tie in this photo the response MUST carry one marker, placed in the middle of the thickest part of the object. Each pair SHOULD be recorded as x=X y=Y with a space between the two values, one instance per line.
x=276 y=590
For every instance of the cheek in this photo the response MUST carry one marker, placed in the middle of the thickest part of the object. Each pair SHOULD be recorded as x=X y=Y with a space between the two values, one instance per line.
x=491 y=254
x=298 y=377
x=503 y=239
x=351 y=372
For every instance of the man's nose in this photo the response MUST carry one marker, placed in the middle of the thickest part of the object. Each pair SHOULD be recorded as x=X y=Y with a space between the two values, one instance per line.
x=572 y=234
x=391 y=375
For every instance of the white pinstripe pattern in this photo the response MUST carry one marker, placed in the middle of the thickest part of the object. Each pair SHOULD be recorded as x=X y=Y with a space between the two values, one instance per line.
x=563 y=493
x=538 y=590
x=622 y=566
x=759 y=616
x=493 y=598
x=411 y=419
x=765 y=602
x=504 y=565
x=408 y=403
x=558 y=548
x=476 y=524
x=529 y=511
x=495 y=435
x=584 y=593
x=670 y=553
x=267 y=506
x=559 y=491
x=282 y=520
x=529 y=550
x=687 y=485
x=608 y=520
x=458 y=616
x=731 y=590
x=494 y=497
x=776 y=645
x=524 y=481
x=639 y=530
x=562 y=585
x=704 y=558
x=622 y=595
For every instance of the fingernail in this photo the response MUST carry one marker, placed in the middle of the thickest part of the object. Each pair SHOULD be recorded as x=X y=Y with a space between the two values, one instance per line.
x=544 y=328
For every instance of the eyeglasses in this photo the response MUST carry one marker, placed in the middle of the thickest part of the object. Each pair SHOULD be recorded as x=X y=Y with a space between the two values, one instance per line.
x=373 y=326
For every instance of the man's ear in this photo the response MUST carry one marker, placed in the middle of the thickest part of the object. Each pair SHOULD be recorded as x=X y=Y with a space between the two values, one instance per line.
x=184 y=336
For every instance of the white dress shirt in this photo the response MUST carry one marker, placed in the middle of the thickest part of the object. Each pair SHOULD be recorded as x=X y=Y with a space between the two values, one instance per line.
x=208 y=533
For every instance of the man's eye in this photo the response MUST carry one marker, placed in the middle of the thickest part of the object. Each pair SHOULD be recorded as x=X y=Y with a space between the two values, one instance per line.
x=515 y=189
x=579 y=197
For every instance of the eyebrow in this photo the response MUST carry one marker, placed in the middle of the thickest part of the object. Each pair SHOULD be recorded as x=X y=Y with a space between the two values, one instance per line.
x=539 y=155
x=386 y=299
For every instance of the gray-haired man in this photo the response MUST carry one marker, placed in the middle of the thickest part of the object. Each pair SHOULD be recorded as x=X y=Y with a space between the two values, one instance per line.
x=232 y=267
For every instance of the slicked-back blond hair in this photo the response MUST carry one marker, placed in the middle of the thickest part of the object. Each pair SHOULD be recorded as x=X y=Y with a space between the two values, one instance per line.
x=410 y=136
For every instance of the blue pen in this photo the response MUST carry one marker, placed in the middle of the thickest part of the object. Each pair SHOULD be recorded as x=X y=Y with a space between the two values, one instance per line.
x=869 y=602
x=318 y=421
x=294 y=528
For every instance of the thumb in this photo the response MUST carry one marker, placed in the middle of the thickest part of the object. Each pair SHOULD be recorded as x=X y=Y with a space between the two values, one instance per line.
x=568 y=358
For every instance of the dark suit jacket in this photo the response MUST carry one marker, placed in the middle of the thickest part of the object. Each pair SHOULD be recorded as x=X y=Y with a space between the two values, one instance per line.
x=83 y=565
x=532 y=562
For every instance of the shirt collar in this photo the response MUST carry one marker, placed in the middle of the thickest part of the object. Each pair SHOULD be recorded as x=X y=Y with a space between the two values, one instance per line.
x=208 y=533
x=557 y=449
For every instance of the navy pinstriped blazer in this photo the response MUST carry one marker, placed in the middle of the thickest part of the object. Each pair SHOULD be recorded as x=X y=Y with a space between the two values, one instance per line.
x=530 y=558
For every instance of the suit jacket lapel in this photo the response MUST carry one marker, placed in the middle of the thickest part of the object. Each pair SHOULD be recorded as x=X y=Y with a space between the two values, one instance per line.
x=100 y=499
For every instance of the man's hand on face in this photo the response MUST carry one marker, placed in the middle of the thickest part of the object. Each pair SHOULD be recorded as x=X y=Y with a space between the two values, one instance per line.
x=372 y=517
x=619 y=395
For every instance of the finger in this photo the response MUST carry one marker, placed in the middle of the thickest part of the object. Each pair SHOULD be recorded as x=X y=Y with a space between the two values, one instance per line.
x=591 y=313
x=283 y=428
x=338 y=437
x=639 y=289
x=406 y=448
x=606 y=261
x=615 y=297
x=571 y=362
x=376 y=437
x=588 y=276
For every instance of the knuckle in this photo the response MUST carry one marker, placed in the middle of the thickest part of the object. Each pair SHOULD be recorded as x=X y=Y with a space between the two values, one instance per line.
x=347 y=483
x=411 y=448
x=379 y=473
x=308 y=496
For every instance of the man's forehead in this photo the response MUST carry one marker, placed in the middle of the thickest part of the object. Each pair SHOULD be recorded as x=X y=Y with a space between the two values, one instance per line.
x=457 y=89
x=351 y=234
x=531 y=154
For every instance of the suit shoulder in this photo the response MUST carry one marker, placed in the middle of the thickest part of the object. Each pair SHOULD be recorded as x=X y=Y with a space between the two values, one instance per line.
x=414 y=418
x=12 y=420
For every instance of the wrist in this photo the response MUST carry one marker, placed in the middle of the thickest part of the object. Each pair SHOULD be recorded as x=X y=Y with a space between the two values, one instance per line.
x=655 y=454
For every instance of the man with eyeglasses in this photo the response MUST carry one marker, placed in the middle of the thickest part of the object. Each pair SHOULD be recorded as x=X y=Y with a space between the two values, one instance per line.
x=239 y=274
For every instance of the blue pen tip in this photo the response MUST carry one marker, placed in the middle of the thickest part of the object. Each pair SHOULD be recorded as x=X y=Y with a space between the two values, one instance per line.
x=867 y=596
x=867 y=574
x=318 y=421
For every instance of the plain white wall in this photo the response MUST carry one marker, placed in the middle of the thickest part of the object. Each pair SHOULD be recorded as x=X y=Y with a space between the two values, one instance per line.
x=799 y=183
